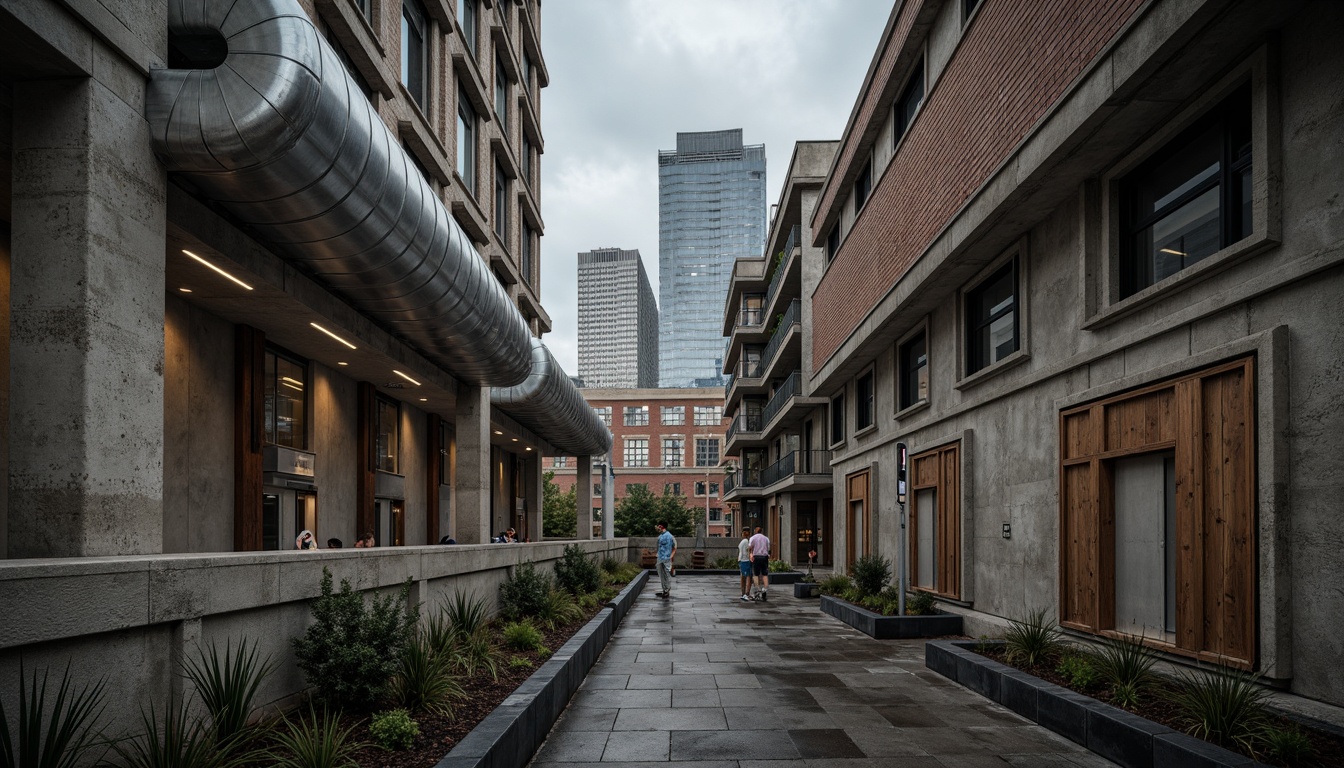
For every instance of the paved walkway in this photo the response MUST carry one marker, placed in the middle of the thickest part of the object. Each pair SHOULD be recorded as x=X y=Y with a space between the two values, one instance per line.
x=707 y=681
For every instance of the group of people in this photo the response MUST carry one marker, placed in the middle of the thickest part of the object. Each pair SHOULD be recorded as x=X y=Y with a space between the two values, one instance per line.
x=753 y=561
x=508 y=536
x=306 y=540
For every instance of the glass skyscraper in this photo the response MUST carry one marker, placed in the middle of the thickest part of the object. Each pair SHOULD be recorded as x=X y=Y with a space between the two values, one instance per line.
x=711 y=211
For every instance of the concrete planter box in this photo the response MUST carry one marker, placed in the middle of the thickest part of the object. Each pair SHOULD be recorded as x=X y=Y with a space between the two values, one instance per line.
x=510 y=735
x=1117 y=735
x=786 y=577
x=891 y=627
x=807 y=589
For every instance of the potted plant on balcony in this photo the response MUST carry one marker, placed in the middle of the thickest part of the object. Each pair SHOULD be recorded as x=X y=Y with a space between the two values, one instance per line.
x=807 y=586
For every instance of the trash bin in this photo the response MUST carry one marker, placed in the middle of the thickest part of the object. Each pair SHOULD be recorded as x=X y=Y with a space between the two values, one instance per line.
x=698 y=558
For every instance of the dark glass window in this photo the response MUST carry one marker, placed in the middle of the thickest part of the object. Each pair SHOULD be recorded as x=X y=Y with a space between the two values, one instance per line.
x=501 y=203
x=863 y=401
x=414 y=61
x=466 y=18
x=832 y=243
x=837 y=419
x=991 y=319
x=286 y=391
x=526 y=246
x=349 y=63
x=501 y=95
x=527 y=160
x=1190 y=200
x=466 y=142
x=908 y=104
x=968 y=7
x=863 y=185
x=386 y=433
x=914 y=363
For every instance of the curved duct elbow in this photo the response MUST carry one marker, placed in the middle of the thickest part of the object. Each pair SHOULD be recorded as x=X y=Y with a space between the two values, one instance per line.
x=280 y=136
x=548 y=403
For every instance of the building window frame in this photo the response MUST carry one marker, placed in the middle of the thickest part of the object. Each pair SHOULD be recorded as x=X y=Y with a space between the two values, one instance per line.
x=707 y=415
x=936 y=473
x=635 y=452
x=832 y=242
x=836 y=417
x=865 y=401
x=467 y=128
x=976 y=364
x=501 y=204
x=968 y=10
x=526 y=257
x=386 y=436
x=703 y=452
x=278 y=385
x=904 y=112
x=672 y=415
x=908 y=371
x=672 y=451
x=415 y=52
x=604 y=413
x=863 y=186
x=635 y=416
x=502 y=95
x=468 y=20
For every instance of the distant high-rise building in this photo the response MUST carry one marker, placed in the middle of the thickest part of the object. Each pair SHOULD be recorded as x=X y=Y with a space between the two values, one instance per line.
x=711 y=211
x=618 y=320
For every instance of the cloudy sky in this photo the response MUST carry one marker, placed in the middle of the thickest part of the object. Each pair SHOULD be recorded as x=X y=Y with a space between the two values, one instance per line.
x=627 y=75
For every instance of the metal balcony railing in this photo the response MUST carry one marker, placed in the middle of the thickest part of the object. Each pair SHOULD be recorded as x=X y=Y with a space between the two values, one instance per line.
x=783 y=394
x=750 y=318
x=748 y=369
x=797 y=463
x=792 y=316
x=745 y=422
x=778 y=278
x=742 y=478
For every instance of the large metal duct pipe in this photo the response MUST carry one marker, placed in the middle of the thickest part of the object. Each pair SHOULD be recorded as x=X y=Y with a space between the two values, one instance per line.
x=275 y=131
x=548 y=403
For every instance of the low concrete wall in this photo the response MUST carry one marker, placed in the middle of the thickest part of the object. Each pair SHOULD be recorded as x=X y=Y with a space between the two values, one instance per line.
x=130 y=619
x=714 y=548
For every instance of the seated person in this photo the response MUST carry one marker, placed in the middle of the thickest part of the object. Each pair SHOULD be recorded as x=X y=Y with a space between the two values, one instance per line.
x=334 y=543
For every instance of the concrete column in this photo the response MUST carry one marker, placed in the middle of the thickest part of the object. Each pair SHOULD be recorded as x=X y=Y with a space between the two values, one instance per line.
x=472 y=492
x=583 y=497
x=87 y=314
x=532 y=492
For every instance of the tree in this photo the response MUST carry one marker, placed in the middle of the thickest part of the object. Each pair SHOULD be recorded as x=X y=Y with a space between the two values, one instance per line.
x=559 y=511
x=640 y=510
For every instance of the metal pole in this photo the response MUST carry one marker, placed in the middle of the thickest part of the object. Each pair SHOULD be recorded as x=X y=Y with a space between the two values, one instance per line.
x=608 y=505
x=900 y=563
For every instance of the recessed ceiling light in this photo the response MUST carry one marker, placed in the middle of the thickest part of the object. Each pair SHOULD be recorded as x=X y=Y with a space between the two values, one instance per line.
x=184 y=290
x=341 y=362
x=424 y=399
x=404 y=376
x=515 y=439
x=497 y=432
x=529 y=447
x=334 y=336
x=217 y=269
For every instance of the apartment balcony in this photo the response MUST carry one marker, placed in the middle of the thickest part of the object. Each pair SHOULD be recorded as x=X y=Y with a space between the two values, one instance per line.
x=749 y=276
x=787 y=406
x=786 y=283
x=747 y=378
x=742 y=484
x=797 y=471
x=744 y=432
x=750 y=328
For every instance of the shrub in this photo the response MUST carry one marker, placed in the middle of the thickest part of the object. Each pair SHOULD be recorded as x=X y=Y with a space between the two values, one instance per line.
x=726 y=563
x=476 y=652
x=1078 y=670
x=623 y=573
x=519 y=662
x=575 y=571
x=1223 y=706
x=606 y=593
x=179 y=741
x=227 y=683
x=526 y=592
x=314 y=741
x=835 y=585
x=589 y=601
x=425 y=681
x=56 y=734
x=350 y=653
x=522 y=636
x=394 y=729
x=465 y=614
x=779 y=566
x=871 y=574
x=920 y=604
x=1287 y=745
x=559 y=609
x=610 y=565
x=1125 y=664
x=1032 y=641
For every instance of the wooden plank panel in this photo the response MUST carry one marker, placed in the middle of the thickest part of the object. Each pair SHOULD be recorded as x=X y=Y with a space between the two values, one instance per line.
x=1189 y=517
x=249 y=432
x=1104 y=506
x=1076 y=428
x=1228 y=588
x=1078 y=556
x=433 y=468
x=949 y=560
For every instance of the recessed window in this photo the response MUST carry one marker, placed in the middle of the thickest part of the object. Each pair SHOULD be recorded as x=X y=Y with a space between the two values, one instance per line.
x=913 y=360
x=349 y=63
x=967 y=8
x=708 y=415
x=706 y=452
x=386 y=434
x=466 y=18
x=991 y=319
x=672 y=489
x=365 y=8
x=526 y=262
x=908 y=104
x=863 y=185
x=674 y=450
x=466 y=142
x=527 y=72
x=561 y=462
x=501 y=203
x=414 y=55
x=286 y=388
x=863 y=401
x=636 y=452
x=501 y=95
x=527 y=160
x=838 y=419
x=636 y=416
x=1190 y=200
x=832 y=243
x=604 y=413
x=673 y=415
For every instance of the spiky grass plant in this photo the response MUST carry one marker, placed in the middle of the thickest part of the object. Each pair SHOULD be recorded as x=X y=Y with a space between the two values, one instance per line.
x=1226 y=707
x=835 y=585
x=1125 y=663
x=425 y=681
x=314 y=739
x=522 y=636
x=178 y=740
x=227 y=683
x=559 y=609
x=465 y=613
x=1289 y=746
x=476 y=652
x=1032 y=641
x=55 y=734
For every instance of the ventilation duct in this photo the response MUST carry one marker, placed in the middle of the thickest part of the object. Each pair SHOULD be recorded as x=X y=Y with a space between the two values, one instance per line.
x=548 y=403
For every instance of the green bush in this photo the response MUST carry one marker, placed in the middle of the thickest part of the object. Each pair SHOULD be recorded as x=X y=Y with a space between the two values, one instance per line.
x=1078 y=670
x=351 y=651
x=1125 y=664
x=227 y=683
x=779 y=566
x=179 y=741
x=588 y=601
x=610 y=566
x=1226 y=707
x=476 y=652
x=559 y=609
x=872 y=573
x=726 y=563
x=526 y=592
x=623 y=573
x=835 y=585
x=394 y=729
x=56 y=734
x=1032 y=641
x=920 y=604
x=522 y=636
x=606 y=592
x=313 y=741
x=519 y=662
x=575 y=571
x=466 y=614
x=425 y=681
x=1289 y=746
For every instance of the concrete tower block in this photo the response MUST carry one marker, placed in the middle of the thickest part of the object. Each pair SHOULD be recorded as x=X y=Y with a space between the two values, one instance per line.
x=87 y=337
x=473 y=465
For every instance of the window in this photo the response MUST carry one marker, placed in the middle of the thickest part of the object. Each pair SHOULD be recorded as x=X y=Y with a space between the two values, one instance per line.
x=1190 y=200
x=466 y=18
x=935 y=522
x=838 y=419
x=674 y=449
x=447 y=451
x=913 y=360
x=908 y=104
x=863 y=185
x=967 y=8
x=286 y=391
x=597 y=489
x=349 y=63
x=700 y=488
x=414 y=58
x=527 y=72
x=636 y=416
x=365 y=8
x=991 y=319
x=636 y=452
x=706 y=452
x=673 y=415
x=386 y=434
x=708 y=415
x=832 y=243
x=561 y=462
x=863 y=401
x=715 y=514
x=672 y=489
x=526 y=262
x=501 y=96
x=713 y=489
x=466 y=142
x=501 y=203
x=604 y=413
x=527 y=160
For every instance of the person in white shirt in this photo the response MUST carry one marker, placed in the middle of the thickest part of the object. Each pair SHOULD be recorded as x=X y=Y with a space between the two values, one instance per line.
x=744 y=563
x=760 y=562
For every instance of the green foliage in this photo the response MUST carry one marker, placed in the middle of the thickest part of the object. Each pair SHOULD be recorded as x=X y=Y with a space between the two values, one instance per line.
x=623 y=574
x=576 y=572
x=610 y=566
x=1125 y=664
x=920 y=604
x=1225 y=707
x=466 y=614
x=178 y=741
x=522 y=636
x=872 y=573
x=316 y=740
x=394 y=729
x=638 y=512
x=837 y=585
x=589 y=601
x=726 y=563
x=425 y=680
x=525 y=593
x=1032 y=641
x=559 y=609
x=227 y=684
x=55 y=734
x=1078 y=670
x=607 y=592
x=476 y=652
x=544 y=652
x=559 y=511
x=779 y=566
x=983 y=644
x=351 y=651
x=1289 y=746
x=519 y=662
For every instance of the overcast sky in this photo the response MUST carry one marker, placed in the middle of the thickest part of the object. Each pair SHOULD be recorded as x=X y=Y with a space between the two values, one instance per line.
x=627 y=75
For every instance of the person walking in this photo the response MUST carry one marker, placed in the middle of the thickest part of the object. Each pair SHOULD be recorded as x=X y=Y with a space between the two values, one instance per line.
x=744 y=563
x=760 y=563
x=667 y=551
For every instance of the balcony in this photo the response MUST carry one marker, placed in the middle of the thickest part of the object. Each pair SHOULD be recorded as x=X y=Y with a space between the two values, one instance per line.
x=745 y=483
x=787 y=406
x=798 y=471
x=784 y=350
x=786 y=272
x=743 y=430
x=748 y=328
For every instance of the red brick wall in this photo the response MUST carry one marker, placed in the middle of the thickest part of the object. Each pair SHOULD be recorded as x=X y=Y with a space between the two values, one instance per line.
x=1016 y=60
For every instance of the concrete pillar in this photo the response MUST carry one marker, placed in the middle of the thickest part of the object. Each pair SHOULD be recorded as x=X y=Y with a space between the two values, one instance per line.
x=533 y=493
x=472 y=493
x=583 y=497
x=87 y=314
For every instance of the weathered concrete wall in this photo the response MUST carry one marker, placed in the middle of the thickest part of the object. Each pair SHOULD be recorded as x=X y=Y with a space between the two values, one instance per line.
x=335 y=441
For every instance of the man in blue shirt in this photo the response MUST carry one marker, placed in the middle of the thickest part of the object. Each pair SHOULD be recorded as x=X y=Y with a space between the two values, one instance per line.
x=667 y=552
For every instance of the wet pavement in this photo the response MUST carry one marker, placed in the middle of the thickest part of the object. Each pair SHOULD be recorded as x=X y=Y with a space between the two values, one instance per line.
x=706 y=680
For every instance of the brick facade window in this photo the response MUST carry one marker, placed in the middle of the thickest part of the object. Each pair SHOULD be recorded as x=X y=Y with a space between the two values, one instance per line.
x=636 y=416
x=673 y=415
x=636 y=452
x=706 y=452
x=674 y=451
x=708 y=415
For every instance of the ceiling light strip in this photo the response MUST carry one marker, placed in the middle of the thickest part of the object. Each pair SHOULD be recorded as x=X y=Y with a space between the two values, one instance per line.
x=404 y=376
x=334 y=336
x=217 y=269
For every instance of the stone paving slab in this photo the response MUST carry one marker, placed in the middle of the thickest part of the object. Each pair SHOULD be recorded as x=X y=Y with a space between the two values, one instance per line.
x=703 y=680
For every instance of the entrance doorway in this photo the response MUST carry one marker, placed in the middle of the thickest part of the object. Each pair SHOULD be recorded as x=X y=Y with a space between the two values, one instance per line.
x=285 y=512
x=810 y=537
x=389 y=522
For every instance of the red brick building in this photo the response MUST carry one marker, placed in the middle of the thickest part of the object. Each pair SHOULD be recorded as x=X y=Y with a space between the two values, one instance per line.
x=666 y=439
